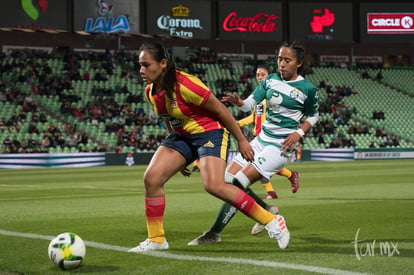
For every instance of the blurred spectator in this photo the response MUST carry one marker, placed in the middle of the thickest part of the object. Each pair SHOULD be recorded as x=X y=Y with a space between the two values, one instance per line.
x=3 y=125
x=351 y=142
x=379 y=76
x=46 y=141
x=321 y=140
x=335 y=143
x=3 y=97
x=379 y=115
x=84 y=138
x=32 y=129
x=72 y=141
x=365 y=129
x=16 y=142
x=6 y=144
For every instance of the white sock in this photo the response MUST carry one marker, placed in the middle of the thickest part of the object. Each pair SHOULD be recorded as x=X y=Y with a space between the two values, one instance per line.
x=243 y=179
x=228 y=178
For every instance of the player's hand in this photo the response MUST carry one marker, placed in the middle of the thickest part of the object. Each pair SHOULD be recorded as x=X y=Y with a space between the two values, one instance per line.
x=246 y=150
x=186 y=172
x=233 y=99
x=290 y=142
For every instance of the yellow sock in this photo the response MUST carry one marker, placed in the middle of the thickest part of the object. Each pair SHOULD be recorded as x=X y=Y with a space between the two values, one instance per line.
x=268 y=186
x=261 y=215
x=285 y=172
x=155 y=228
x=154 y=211
x=248 y=206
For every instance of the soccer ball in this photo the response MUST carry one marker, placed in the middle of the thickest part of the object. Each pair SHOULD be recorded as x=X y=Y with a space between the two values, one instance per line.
x=67 y=250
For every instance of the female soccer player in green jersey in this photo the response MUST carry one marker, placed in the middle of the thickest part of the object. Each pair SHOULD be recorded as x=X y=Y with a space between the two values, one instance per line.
x=289 y=97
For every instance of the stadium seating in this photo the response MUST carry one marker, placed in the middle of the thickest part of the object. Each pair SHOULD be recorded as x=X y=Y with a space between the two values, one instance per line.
x=372 y=96
x=394 y=96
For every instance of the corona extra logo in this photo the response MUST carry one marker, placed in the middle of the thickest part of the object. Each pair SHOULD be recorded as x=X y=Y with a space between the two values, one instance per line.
x=179 y=23
x=32 y=10
x=180 y=11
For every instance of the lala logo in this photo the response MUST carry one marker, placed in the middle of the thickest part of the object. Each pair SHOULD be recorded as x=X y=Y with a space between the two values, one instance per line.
x=106 y=22
x=32 y=10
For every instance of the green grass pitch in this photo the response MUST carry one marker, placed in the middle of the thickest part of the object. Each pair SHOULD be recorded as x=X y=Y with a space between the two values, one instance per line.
x=346 y=217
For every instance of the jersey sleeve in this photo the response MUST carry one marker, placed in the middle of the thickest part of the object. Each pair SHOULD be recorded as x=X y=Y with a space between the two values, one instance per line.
x=311 y=105
x=260 y=92
x=192 y=89
x=247 y=120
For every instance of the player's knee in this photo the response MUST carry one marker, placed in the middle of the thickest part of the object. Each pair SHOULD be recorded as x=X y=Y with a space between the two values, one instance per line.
x=210 y=188
x=214 y=189
x=151 y=181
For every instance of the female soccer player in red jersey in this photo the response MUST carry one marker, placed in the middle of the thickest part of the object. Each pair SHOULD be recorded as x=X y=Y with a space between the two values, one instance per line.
x=199 y=127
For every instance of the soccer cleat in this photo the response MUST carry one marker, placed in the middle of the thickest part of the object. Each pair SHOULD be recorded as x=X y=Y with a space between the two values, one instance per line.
x=277 y=229
x=207 y=237
x=270 y=195
x=148 y=245
x=257 y=228
x=294 y=181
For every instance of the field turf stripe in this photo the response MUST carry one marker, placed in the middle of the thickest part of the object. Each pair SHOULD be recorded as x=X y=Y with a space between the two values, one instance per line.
x=316 y=269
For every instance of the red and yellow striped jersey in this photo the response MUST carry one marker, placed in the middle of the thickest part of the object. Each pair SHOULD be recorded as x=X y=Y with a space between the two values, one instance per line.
x=184 y=113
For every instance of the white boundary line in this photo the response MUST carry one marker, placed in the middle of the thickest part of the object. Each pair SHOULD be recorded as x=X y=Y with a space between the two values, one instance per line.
x=316 y=269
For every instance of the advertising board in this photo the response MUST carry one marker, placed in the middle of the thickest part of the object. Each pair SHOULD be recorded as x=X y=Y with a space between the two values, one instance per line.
x=34 y=15
x=190 y=19
x=106 y=16
x=321 y=21
x=250 y=21
x=386 y=22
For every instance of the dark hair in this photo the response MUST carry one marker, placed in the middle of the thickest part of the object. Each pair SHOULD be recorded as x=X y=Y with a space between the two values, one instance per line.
x=263 y=66
x=158 y=52
x=299 y=50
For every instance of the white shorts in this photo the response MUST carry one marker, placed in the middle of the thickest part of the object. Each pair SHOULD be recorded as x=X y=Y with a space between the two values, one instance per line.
x=268 y=159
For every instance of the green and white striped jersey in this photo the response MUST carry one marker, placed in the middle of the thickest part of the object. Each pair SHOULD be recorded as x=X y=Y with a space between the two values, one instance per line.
x=287 y=102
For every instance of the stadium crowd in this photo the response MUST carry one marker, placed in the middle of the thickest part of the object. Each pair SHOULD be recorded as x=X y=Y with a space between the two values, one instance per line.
x=126 y=119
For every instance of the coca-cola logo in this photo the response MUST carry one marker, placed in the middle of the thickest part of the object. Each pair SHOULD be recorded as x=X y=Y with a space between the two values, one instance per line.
x=261 y=22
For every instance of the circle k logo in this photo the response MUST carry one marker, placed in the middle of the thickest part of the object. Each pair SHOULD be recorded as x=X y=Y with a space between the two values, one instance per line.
x=32 y=10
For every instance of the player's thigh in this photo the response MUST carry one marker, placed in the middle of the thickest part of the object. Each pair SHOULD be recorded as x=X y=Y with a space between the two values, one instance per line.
x=269 y=161
x=233 y=168
x=165 y=163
